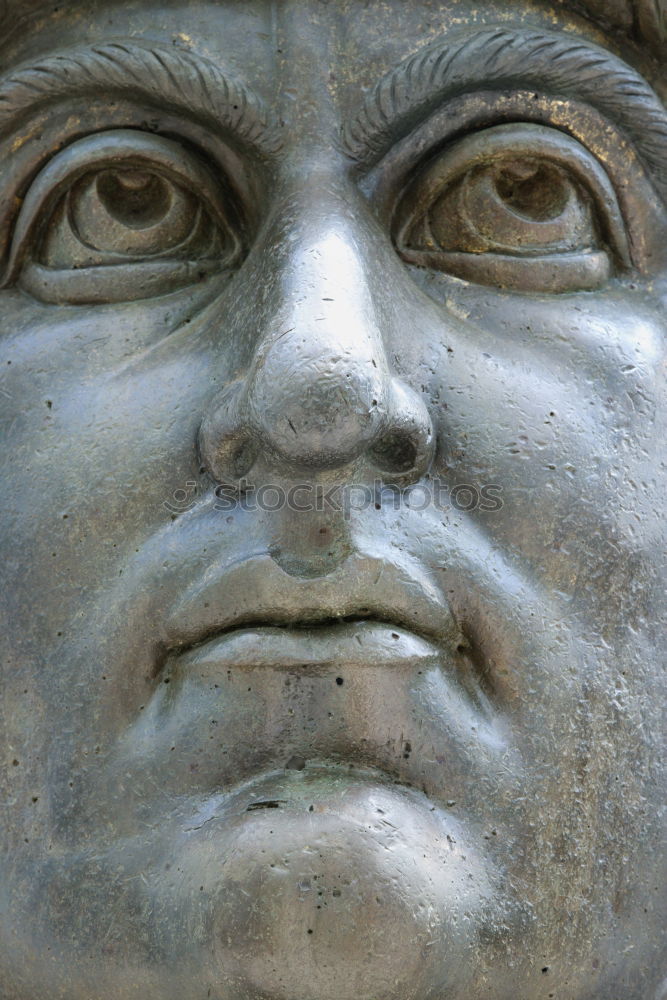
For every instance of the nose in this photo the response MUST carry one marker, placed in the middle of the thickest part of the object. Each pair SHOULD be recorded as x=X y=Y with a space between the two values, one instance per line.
x=320 y=391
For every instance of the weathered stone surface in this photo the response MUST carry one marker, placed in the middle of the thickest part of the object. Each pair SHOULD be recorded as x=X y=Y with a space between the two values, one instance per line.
x=332 y=390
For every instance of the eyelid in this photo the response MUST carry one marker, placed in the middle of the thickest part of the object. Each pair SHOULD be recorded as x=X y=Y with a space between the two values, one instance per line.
x=120 y=147
x=496 y=143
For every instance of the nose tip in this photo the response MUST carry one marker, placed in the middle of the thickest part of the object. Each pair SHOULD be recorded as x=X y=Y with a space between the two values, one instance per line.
x=314 y=407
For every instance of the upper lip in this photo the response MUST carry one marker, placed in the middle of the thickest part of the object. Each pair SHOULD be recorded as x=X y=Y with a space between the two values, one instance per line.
x=255 y=591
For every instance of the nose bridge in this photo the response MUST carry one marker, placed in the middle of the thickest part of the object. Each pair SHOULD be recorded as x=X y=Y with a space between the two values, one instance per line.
x=325 y=304
x=319 y=380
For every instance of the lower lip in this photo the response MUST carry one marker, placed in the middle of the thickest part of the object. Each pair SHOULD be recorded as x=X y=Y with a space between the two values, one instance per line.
x=351 y=644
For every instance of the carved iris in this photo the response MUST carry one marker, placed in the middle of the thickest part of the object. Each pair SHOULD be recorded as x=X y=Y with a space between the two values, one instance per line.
x=110 y=215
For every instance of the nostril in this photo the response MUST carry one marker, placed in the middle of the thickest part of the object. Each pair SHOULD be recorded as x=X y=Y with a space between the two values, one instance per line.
x=228 y=445
x=405 y=444
x=243 y=458
x=396 y=451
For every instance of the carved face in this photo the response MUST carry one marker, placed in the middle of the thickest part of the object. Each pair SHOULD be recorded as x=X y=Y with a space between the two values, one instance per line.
x=332 y=386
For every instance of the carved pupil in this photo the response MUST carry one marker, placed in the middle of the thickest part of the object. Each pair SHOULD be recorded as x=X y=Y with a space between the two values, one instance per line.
x=137 y=199
x=536 y=191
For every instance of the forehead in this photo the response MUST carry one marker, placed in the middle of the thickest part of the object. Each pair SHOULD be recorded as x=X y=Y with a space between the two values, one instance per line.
x=356 y=40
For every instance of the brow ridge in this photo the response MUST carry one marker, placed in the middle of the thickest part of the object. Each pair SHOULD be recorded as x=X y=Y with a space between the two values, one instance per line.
x=499 y=57
x=188 y=83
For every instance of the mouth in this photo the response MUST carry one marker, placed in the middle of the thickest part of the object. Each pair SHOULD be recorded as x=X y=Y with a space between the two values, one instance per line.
x=260 y=670
x=314 y=646
x=367 y=610
x=257 y=671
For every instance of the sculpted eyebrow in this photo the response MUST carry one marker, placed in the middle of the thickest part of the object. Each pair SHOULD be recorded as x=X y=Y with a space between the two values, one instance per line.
x=170 y=78
x=550 y=63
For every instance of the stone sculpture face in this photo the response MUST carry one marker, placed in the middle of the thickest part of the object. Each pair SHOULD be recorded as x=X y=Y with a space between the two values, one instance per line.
x=353 y=736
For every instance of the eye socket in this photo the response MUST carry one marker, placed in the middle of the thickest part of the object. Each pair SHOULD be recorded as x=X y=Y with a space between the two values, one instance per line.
x=523 y=207
x=121 y=216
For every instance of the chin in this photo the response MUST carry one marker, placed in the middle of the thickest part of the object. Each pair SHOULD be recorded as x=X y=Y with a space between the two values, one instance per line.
x=331 y=883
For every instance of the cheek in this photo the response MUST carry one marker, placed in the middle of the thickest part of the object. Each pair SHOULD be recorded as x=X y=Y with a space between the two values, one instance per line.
x=559 y=403
x=101 y=422
x=101 y=411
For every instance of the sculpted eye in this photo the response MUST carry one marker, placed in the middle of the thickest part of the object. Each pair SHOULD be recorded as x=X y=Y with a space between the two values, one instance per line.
x=122 y=216
x=517 y=206
x=110 y=215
